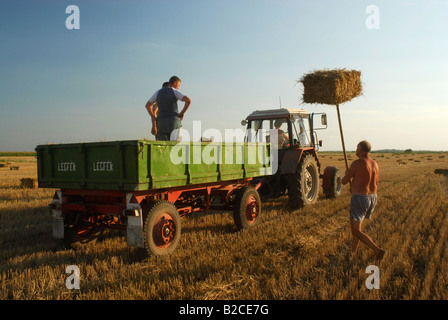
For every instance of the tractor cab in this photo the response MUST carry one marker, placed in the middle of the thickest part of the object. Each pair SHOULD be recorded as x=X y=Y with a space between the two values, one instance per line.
x=294 y=128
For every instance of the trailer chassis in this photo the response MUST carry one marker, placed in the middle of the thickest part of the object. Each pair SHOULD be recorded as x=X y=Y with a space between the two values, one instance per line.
x=151 y=218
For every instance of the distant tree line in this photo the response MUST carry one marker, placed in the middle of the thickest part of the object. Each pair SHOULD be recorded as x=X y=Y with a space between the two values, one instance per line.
x=17 y=154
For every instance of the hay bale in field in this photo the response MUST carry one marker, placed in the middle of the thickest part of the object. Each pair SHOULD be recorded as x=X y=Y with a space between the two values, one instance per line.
x=29 y=183
x=331 y=86
x=441 y=171
x=14 y=168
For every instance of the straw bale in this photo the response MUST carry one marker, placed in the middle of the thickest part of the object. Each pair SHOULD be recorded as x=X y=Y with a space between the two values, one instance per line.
x=29 y=183
x=441 y=171
x=331 y=86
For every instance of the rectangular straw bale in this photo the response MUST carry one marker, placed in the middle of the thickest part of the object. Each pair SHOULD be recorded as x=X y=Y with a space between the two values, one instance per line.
x=331 y=86
x=29 y=183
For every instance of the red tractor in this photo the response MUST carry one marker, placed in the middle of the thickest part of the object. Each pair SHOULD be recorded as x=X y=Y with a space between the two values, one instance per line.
x=298 y=168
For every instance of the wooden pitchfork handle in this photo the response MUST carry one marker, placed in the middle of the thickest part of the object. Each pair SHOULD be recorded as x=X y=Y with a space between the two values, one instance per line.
x=342 y=139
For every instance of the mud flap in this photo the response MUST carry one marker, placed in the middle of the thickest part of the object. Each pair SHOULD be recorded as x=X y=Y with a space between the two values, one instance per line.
x=134 y=231
x=58 y=224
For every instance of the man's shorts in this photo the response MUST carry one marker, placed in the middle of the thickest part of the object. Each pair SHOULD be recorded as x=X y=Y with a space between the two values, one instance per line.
x=362 y=206
x=166 y=126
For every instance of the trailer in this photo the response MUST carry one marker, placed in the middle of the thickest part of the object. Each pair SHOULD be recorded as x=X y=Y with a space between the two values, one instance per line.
x=145 y=187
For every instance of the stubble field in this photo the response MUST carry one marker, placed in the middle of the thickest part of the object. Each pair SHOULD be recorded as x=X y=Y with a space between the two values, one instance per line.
x=303 y=254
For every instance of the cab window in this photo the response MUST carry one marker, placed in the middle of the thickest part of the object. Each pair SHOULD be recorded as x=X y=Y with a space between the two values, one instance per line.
x=260 y=131
x=301 y=131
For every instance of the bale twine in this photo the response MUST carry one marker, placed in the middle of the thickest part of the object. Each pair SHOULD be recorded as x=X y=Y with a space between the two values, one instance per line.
x=331 y=86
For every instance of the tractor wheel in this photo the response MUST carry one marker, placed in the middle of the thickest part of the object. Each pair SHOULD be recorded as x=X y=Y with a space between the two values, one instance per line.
x=303 y=186
x=332 y=182
x=162 y=228
x=247 y=208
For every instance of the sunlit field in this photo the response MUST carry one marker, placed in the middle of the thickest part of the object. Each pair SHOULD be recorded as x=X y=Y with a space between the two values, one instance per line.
x=303 y=254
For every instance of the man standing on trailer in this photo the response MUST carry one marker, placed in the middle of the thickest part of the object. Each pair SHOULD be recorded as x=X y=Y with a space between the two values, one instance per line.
x=155 y=108
x=364 y=175
x=168 y=117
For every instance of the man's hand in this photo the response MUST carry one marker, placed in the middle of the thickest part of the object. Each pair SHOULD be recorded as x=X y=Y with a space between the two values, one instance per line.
x=154 y=126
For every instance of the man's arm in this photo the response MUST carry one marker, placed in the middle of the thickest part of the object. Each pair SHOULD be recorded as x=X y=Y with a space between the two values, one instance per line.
x=377 y=175
x=150 y=108
x=349 y=174
x=186 y=106
x=150 y=103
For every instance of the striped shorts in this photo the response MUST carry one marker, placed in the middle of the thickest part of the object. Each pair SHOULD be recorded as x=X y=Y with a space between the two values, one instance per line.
x=362 y=206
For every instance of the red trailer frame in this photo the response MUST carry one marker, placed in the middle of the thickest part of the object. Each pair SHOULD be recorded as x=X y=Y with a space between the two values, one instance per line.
x=151 y=218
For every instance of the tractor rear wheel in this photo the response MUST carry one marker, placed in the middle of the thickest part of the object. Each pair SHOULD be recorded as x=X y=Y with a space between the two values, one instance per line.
x=303 y=186
x=332 y=182
x=162 y=228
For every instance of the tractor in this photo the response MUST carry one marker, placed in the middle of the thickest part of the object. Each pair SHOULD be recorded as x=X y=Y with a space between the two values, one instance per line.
x=298 y=167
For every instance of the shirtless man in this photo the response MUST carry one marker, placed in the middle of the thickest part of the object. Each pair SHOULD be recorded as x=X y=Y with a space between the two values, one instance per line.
x=363 y=175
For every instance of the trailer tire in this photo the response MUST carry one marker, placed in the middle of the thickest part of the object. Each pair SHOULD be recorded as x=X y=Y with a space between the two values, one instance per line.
x=332 y=182
x=247 y=208
x=162 y=228
x=303 y=186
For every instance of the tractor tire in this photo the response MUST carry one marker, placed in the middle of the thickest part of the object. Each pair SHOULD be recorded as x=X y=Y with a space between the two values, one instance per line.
x=162 y=228
x=247 y=208
x=303 y=186
x=332 y=182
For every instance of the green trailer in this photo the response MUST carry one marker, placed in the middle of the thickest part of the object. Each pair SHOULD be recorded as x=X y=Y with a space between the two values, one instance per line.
x=145 y=187
x=140 y=165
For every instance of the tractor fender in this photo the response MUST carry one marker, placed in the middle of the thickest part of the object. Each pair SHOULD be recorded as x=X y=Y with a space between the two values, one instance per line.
x=292 y=158
x=290 y=161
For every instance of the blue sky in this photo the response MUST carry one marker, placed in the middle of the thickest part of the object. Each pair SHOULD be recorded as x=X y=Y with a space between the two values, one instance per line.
x=91 y=84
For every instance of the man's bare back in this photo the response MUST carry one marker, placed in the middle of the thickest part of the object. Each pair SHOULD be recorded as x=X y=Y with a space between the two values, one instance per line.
x=363 y=173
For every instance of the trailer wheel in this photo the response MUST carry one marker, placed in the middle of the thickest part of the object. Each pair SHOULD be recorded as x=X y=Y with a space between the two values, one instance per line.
x=303 y=186
x=162 y=228
x=247 y=208
x=332 y=182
